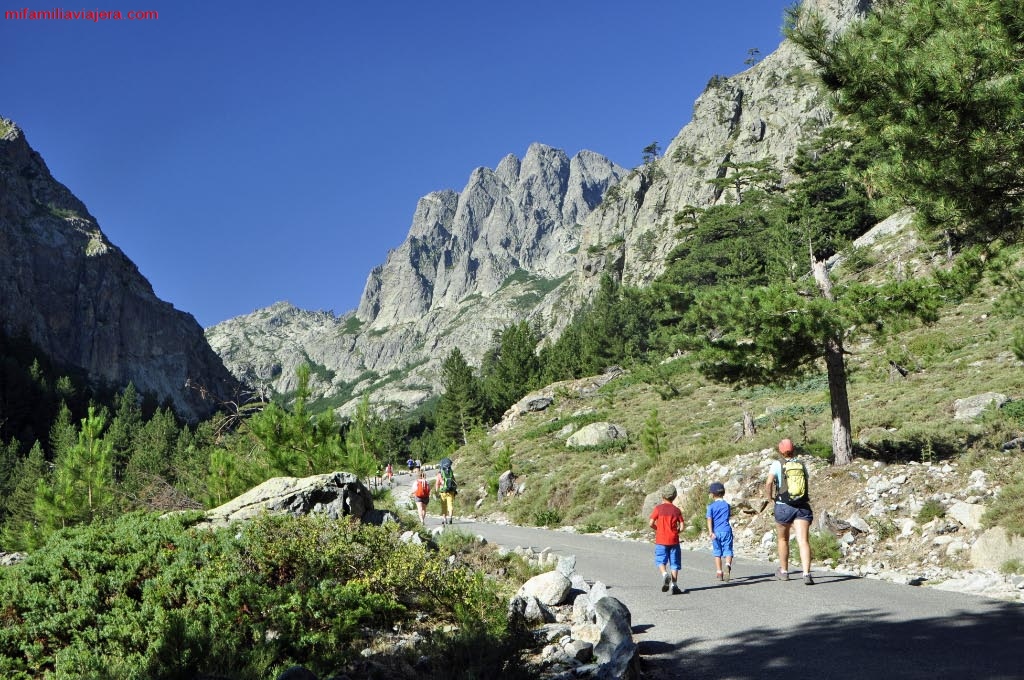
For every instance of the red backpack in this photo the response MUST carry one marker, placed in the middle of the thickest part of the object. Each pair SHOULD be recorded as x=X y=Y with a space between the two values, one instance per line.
x=422 y=489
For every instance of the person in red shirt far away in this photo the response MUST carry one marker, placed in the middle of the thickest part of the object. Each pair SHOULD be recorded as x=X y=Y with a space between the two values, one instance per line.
x=667 y=520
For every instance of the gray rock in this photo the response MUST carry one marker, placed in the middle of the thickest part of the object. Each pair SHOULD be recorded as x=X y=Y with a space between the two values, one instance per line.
x=967 y=514
x=995 y=547
x=10 y=558
x=567 y=566
x=338 y=494
x=535 y=612
x=506 y=484
x=596 y=434
x=970 y=408
x=580 y=650
x=84 y=304
x=616 y=651
x=583 y=610
x=550 y=588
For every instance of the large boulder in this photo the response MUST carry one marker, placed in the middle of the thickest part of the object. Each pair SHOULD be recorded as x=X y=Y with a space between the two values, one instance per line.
x=996 y=547
x=337 y=494
x=970 y=408
x=597 y=434
x=615 y=652
x=550 y=588
x=968 y=514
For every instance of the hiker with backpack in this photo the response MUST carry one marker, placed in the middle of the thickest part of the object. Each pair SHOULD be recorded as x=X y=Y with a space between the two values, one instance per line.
x=718 y=514
x=787 y=484
x=421 y=493
x=446 y=485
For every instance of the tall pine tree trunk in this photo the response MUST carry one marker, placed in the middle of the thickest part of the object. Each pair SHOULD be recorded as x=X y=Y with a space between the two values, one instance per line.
x=842 y=440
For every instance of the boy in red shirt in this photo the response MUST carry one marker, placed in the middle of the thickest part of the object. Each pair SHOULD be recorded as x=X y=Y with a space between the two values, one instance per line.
x=667 y=520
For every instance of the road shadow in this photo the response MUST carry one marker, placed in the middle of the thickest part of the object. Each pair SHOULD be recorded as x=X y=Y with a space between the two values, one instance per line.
x=819 y=579
x=855 y=645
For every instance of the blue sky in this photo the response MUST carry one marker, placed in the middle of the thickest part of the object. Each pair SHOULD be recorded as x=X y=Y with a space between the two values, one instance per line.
x=242 y=153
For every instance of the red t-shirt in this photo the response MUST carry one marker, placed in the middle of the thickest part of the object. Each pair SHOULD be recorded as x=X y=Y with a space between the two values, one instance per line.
x=668 y=520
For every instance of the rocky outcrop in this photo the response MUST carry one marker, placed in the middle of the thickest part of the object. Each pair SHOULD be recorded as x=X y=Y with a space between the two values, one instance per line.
x=584 y=632
x=473 y=262
x=521 y=216
x=337 y=494
x=531 y=238
x=763 y=113
x=83 y=302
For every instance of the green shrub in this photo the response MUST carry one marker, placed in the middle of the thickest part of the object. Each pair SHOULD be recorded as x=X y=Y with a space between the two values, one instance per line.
x=824 y=546
x=883 y=528
x=144 y=597
x=547 y=518
x=1007 y=508
x=1013 y=566
x=929 y=511
x=1014 y=411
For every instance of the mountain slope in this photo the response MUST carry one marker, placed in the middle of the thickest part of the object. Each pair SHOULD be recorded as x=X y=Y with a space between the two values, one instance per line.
x=531 y=239
x=472 y=263
x=83 y=302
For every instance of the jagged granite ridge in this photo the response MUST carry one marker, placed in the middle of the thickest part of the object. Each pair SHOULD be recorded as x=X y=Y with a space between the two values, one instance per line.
x=473 y=262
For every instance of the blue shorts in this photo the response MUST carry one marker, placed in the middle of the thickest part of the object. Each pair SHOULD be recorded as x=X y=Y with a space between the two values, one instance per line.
x=668 y=554
x=721 y=545
x=786 y=514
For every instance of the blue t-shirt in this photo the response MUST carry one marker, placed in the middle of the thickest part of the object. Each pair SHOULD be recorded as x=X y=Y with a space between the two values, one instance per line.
x=719 y=512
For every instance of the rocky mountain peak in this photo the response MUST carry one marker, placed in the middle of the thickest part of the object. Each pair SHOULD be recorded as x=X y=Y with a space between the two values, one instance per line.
x=530 y=238
x=522 y=215
x=83 y=302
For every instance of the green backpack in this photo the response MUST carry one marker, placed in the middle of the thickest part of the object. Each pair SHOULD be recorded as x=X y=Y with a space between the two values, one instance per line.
x=448 y=484
x=793 y=489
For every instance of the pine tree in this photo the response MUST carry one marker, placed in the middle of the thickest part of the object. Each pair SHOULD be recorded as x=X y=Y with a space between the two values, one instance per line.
x=461 y=406
x=940 y=85
x=81 y=487
x=779 y=328
x=21 y=528
x=295 y=443
x=123 y=426
x=511 y=368
x=652 y=437
x=363 y=440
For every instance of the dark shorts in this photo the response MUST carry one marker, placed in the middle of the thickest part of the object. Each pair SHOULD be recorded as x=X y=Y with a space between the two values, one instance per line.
x=787 y=514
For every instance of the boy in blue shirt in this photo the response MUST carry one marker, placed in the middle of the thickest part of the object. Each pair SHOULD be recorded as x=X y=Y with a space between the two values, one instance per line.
x=720 y=530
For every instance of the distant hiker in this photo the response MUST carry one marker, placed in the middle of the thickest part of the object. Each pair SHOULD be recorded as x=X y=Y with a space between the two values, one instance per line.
x=389 y=472
x=718 y=515
x=446 y=485
x=787 y=484
x=421 y=493
x=412 y=465
x=667 y=520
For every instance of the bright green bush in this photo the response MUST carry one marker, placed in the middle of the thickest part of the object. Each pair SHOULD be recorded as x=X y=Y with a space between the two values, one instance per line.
x=143 y=597
x=824 y=546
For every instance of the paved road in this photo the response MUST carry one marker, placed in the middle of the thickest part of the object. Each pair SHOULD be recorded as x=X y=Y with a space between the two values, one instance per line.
x=756 y=627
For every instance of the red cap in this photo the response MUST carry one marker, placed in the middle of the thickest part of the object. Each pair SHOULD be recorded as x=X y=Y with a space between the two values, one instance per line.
x=786 y=446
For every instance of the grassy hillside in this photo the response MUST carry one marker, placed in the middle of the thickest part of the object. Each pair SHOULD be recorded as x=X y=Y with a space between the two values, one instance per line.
x=895 y=418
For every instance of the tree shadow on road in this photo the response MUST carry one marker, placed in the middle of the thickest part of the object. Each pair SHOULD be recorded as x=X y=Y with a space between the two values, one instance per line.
x=855 y=645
